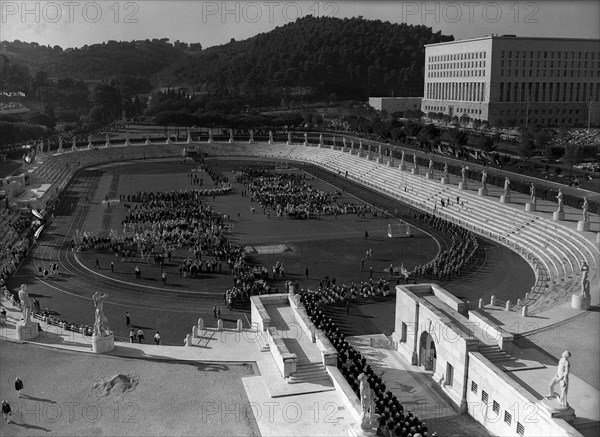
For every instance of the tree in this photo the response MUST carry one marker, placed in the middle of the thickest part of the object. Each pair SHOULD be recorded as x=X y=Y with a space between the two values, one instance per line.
x=573 y=154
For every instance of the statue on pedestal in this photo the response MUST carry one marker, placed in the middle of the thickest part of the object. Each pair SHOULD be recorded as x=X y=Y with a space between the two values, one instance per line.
x=506 y=186
x=532 y=194
x=107 y=139
x=321 y=139
x=305 y=138
x=26 y=304
x=430 y=165
x=101 y=327
x=463 y=172
x=270 y=136
x=344 y=141
x=445 y=172
x=231 y=135
x=289 y=137
x=402 y=158
x=585 y=282
x=559 y=197
x=251 y=135
x=484 y=178
x=74 y=144
x=584 y=210
x=210 y=138
x=415 y=159
x=562 y=377
x=60 y=143
x=367 y=414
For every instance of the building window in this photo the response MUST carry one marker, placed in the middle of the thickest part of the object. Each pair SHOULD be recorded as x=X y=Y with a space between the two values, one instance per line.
x=496 y=407
x=507 y=418
x=484 y=396
x=520 y=429
x=403 y=334
x=449 y=374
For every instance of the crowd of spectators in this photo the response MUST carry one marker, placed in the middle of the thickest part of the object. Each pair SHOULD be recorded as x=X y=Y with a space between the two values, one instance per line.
x=393 y=419
x=452 y=262
x=290 y=194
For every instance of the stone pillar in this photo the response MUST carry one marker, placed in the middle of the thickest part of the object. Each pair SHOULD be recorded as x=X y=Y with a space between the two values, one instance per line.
x=194 y=332
x=524 y=311
x=445 y=180
x=507 y=306
x=530 y=207
x=558 y=216
x=462 y=186
x=493 y=301
x=505 y=198
x=482 y=192
x=219 y=325
x=188 y=340
x=580 y=302
x=200 y=325
x=101 y=345
x=240 y=326
x=480 y=304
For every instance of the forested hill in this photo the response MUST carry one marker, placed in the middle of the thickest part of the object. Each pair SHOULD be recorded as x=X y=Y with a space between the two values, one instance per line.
x=350 y=57
x=94 y=62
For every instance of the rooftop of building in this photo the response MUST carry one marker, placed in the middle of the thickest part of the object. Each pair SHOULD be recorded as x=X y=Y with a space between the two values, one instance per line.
x=514 y=37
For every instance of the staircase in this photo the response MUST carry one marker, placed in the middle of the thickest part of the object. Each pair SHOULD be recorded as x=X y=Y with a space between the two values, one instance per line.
x=314 y=373
x=495 y=354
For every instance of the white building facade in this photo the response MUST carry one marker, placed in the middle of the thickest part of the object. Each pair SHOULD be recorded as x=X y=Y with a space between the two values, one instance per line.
x=514 y=81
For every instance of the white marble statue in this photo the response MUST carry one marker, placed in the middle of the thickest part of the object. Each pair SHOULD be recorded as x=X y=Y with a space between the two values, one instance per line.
x=562 y=378
x=584 y=210
x=430 y=165
x=532 y=197
x=484 y=178
x=415 y=159
x=463 y=172
x=506 y=186
x=402 y=158
x=26 y=304
x=559 y=198
x=585 y=282
x=60 y=143
x=445 y=172
x=230 y=134
x=101 y=327
x=251 y=135
x=367 y=413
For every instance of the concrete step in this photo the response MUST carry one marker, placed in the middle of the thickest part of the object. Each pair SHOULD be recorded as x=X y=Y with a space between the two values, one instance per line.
x=309 y=372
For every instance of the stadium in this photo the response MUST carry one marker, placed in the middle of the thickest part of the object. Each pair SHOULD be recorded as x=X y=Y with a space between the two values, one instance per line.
x=346 y=235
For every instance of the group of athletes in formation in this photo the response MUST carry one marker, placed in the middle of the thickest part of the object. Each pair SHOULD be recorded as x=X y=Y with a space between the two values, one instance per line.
x=394 y=420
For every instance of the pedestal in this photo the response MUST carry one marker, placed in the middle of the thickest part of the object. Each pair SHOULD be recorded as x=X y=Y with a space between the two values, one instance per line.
x=147 y=143
x=462 y=185
x=558 y=216
x=289 y=143
x=415 y=170
x=583 y=226
x=482 y=192
x=127 y=143
x=504 y=198
x=552 y=408
x=230 y=141
x=402 y=166
x=270 y=142
x=445 y=181
x=101 y=345
x=356 y=431
x=27 y=331
x=168 y=141
x=428 y=175
x=380 y=160
x=530 y=207
x=580 y=302
x=391 y=162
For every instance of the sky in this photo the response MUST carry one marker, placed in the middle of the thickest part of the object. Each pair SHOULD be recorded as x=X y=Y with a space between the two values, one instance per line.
x=74 y=23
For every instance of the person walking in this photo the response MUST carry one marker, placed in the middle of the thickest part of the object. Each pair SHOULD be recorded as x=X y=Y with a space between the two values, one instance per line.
x=132 y=336
x=306 y=272
x=164 y=278
x=370 y=272
x=347 y=308
x=140 y=335
x=215 y=311
x=127 y=318
x=97 y=263
x=157 y=338
x=112 y=267
x=6 y=412
x=18 y=385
